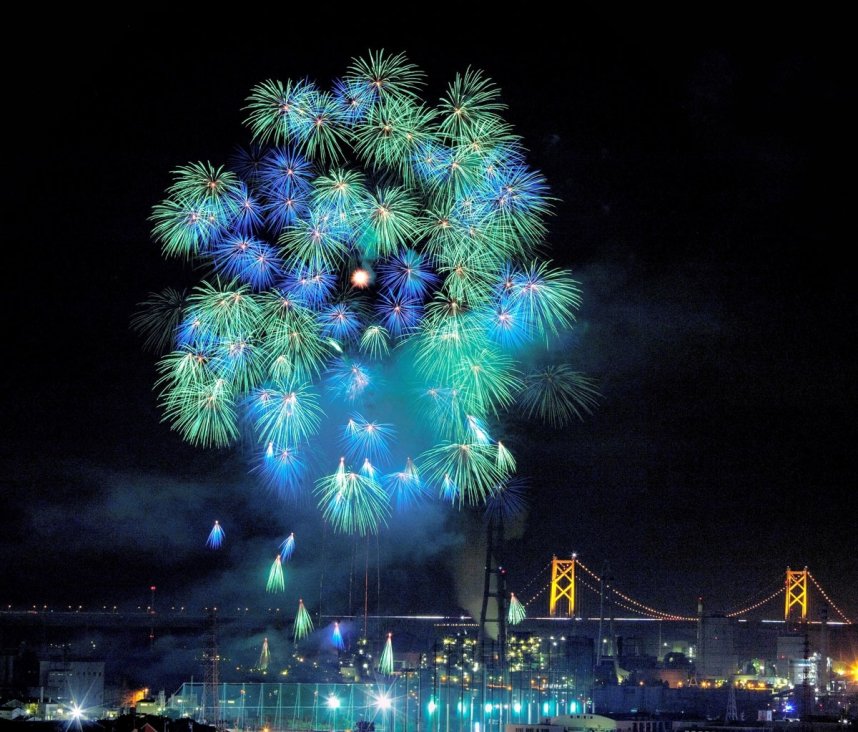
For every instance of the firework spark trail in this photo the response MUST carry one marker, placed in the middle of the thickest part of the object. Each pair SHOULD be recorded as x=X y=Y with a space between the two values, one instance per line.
x=516 y=612
x=385 y=663
x=287 y=547
x=303 y=624
x=367 y=246
x=276 y=581
x=337 y=638
x=216 y=536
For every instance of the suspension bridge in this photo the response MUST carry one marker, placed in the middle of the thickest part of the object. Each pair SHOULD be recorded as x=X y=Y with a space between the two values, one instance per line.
x=563 y=581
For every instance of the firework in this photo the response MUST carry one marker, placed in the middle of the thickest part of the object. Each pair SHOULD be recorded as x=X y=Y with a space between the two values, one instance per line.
x=508 y=500
x=276 y=581
x=488 y=381
x=303 y=625
x=341 y=190
x=349 y=378
x=505 y=461
x=214 y=189
x=399 y=315
x=470 y=99
x=547 y=296
x=286 y=413
x=374 y=342
x=264 y=657
x=394 y=134
x=216 y=536
x=355 y=98
x=317 y=241
x=369 y=251
x=516 y=612
x=385 y=76
x=183 y=227
x=283 y=208
x=203 y=412
x=352 y=503
x=337 y=638
x=248 y=214
x=385 y=663
x=278 y=111
x=405 y=487
x=340 y=321
x=159 y=318
x=287 y=547
x=558 y=393
x=391 y=221
x=407 y=275
x=247 y=161
x=292 y=348
x=365 y=439
x=282 y=468
x=467 y=472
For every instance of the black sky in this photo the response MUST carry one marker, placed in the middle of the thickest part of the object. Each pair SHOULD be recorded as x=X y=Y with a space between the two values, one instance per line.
x=705 y=193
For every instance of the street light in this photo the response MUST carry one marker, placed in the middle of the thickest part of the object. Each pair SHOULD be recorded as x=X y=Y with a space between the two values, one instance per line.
x=385 y=705
x=333 y=704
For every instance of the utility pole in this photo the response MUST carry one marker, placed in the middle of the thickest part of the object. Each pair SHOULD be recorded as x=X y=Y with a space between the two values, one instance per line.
x=152 y=589
x=211 y=662
x=494 y=587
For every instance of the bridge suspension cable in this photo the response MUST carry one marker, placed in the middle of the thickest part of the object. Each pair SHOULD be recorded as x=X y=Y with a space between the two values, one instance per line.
x=638 y=606
x=754 y=606
x=539 y=593
x=533 y=579
x=828 y=599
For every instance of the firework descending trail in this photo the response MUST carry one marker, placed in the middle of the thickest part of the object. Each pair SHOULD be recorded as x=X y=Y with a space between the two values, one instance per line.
x=303 y=625
x=276 y=581
x=337 y=638
x=264 y=656
x=370 y=250
x=287 y=547
x=385 y=663
x=516 y=612
x=216 y=536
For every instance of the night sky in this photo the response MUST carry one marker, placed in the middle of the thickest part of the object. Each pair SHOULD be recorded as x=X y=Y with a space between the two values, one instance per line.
x=704 y=189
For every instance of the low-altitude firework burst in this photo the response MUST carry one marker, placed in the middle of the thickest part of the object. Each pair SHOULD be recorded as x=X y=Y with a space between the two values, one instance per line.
x=385 y=663
x=337 y=638
x=303 y=624
x=516 y=612
x=216 y=536
x=264 y=657
x=287 y=547
x=367 y=248
x=276 y=581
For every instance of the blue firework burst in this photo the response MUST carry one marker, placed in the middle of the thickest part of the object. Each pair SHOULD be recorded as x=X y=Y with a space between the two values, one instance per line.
x=311 y=285
x=407 y=274
x=341 y=321
x=399 y=315
x=284 y=171
x=249 y=211
x=367 y=440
